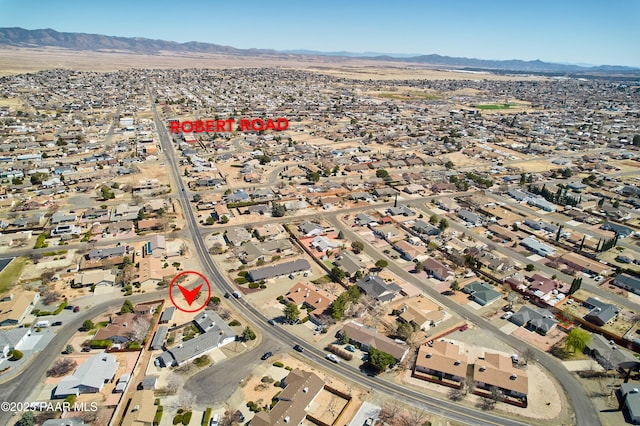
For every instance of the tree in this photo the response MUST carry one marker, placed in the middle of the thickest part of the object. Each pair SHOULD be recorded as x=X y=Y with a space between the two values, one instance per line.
x=139 y=329
x=61 y=367
x=291 y=312
x=380 y=360
x=433 y=219
x=575 y=285
x=528 y=355
x=313 y=177
x=381 y=264
x=341 y=235
x=87 y=325
x=27 y=419
x=530 y=267
x=68 y=350
x=278 y=210
x=357 y=246
x=382 y=174
x=106 y=193
x=344 y=338
x=248 y=334
x=224 y=219
x=455 y=286
x=418 y=267
x=127 y=307
x=128 y=274
x=174 y=383
x=577 y=339
x=449 y=165
x=636 y=140
x=443 y=225
x=338 y=274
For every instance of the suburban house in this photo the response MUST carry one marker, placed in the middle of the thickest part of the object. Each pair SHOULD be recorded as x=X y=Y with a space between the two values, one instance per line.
x=627 y=282
x=237 y=236
x=482 y=293
x=158 y=338
x=215 y=333
x=141 y=409
x=349 y=262
x=151 y=271
x=608 y=354
x=498 y=370
x=539 y=320
x=118 y=330
x=90 y=376
x=422 y=227
x=421 y=313
x=13 y=309
x=437 y=270
x=442 y=359
x=631 y=401
x=156 y=246
x=96 y=277
x=300 y=390
x=620 y=230
x=12 y=339
x=378 y=289
x=409 y=251
x=367 y=337
x=581 y=263
x=167 y=315
x=537 y=247
x=310 y=297
x=601 y=313
x=106 y=253
x=274 y=271
x=322 y=243
x=310 y=229
x=251 y=251
x=470 y=217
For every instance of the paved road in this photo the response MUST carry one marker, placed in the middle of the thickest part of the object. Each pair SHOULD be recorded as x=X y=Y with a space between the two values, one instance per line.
x=226 y=375
x=437 y=406
x=580 y=402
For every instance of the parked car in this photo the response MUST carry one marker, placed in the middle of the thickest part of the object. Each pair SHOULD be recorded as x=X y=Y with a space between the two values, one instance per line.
x=507 y=315
x=266 y=355
x=76 y=309
x=350 y=348
x=214 y=420
x=298 y=348
x=332 y=358
x=57 y=323
x=272 y=322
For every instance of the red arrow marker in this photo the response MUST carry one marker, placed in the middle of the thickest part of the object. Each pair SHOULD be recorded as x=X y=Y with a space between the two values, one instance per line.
x=189 y=295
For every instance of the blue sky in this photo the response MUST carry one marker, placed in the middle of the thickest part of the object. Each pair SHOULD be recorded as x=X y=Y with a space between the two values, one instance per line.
x=593 y=32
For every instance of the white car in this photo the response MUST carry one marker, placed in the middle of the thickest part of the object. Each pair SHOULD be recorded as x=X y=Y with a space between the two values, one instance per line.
x=332 y=358
x=507 y=315
x=214 y=420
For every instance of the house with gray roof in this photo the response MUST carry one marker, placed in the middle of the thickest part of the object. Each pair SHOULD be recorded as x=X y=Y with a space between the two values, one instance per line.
x=167 y=315
x=310 y=229
x=539 y=248
x=621 y=231
x=422 y=227
x=106 y=252
x=470 y=217
x=601 y=313
x=609 y=355
x=349 y=262
x=631 y=401
x=158 y=338
x=215 y=334
x=274 y=271
x=628 y=283
x=481 y=293
x=379 y=290
x=90 y=377
x=12 y=339
x=237 y=236
x=539 y=320
x=364 y=219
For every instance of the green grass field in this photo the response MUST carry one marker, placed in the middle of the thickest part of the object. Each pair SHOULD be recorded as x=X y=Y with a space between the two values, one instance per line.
x=9 y=276
x=494 y=106
x=416 y=96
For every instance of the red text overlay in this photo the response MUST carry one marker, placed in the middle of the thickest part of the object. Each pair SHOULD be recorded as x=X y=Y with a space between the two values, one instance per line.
x=244 y=125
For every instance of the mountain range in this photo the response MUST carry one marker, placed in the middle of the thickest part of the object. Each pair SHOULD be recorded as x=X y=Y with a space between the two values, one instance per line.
x=20 y=37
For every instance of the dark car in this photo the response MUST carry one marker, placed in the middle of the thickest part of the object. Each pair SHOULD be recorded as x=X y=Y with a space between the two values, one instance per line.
x=57 y=323
x=267 y=355
x=448 y=293
x=227 y=295
x=298 y=348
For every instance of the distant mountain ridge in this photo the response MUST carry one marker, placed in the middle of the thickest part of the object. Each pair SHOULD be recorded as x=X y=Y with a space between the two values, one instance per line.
x=20 y=37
